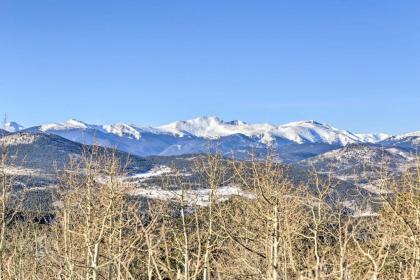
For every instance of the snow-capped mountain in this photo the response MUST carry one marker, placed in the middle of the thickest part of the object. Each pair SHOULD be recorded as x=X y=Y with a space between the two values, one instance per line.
x=213 y=127
x=315 y=132
x=407 y=135
x=297 y=132
x=409 y=141
x=12 y=127
x=293 y=141
x=119 y=129
x=127 y=138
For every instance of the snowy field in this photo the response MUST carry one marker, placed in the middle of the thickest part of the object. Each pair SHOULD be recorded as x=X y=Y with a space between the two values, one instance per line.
x=154 y=172
x=192 y=197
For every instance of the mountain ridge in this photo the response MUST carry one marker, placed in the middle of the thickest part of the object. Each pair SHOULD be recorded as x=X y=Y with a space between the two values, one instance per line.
x=214 y=127
x=295 y=140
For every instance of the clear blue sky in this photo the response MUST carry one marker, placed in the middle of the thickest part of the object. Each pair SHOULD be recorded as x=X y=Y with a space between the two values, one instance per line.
x=352 y=63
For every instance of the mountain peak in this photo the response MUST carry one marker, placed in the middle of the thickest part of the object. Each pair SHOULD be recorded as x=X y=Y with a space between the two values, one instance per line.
x=69 y=124
x=12 y=127
x=122 y=129
x=306 y=123
x=208 y=127
x=76 y=123
x=311 y=131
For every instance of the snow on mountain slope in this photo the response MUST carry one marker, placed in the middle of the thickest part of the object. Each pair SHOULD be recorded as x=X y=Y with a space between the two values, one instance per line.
x=213 y=127
x=295 y=140
x=70 y=124
x=12 y=127
x=315 y=132
x=118 y=129
x=411 y=134
x=372 y=138
x=122 y=129
x=298 y=132
x=409 y=141
x=128 y=138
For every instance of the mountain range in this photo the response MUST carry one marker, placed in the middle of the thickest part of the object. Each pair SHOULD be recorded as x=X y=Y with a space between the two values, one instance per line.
x=293 y=141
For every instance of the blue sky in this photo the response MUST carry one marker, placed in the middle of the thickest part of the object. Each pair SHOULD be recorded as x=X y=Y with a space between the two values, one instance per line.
x=352 y=63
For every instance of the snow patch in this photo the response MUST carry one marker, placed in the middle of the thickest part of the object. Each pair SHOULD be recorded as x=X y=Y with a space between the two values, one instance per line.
x=155 y=171
x=359 y=212
x=122 y=129
x=374 y=189
x=372 y=138
x=199 y=197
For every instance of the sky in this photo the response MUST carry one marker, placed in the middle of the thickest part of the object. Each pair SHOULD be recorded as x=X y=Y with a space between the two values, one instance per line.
x=354 y=64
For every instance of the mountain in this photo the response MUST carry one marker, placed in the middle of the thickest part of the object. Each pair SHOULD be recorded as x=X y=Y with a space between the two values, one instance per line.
x=127 y=138
x=361 y=159
x=409 y=141
x=145 y=141
x=293 y=141
x=295 y=132
x=35 y=162
x=12 y=127
x=41 y=153
x=237 y=145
